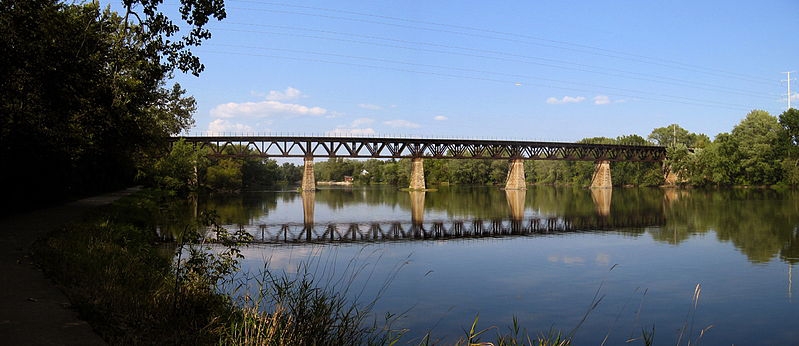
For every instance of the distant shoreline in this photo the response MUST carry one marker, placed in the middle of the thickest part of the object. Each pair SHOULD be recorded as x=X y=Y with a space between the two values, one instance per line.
x=347 y=183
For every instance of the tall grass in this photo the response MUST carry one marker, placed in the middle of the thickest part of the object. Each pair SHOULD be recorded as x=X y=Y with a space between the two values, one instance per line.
x=314 y=305
x=516 y=335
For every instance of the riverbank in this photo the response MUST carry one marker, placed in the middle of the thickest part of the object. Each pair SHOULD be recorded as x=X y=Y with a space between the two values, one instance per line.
x=34 y=311
x=125 y=280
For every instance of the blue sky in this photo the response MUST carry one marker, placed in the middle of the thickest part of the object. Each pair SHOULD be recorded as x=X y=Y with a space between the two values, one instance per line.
x=532 y=70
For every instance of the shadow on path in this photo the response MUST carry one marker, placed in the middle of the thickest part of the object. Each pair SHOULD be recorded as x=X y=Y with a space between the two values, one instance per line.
x=33 y=311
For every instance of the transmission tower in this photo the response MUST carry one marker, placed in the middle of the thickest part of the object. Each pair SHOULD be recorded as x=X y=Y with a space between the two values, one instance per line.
x=789 y=87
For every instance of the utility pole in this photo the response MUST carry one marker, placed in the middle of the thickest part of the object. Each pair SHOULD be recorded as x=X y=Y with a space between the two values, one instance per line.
x=674 y=135
x=789 y=88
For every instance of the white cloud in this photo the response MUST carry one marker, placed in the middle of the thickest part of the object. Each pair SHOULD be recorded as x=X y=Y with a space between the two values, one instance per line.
x=370 y=106
x=401 y=123
x=602 y=259
x=355 y=128
x=264 y=109
x=565 y=99
x=440 y=118
x=289 y=94
x=345 y=131
x=361 y=121
x=795 y=97
x=605 y=100
x=220 y=126
x=601 y=100
x=333 y=114
x=566 y=259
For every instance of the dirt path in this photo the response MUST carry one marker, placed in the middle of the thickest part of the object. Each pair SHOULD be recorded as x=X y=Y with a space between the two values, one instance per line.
x=32 y=310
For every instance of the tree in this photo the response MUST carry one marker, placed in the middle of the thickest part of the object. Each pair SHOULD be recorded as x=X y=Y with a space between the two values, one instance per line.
x=758 y=137
x=225 y=175
x=84 y=95
x=179 y=170
x=259 y=173
x=719 y=163
x=636 y=173
x=157 y=31
x=674 y=134
x=789 y=120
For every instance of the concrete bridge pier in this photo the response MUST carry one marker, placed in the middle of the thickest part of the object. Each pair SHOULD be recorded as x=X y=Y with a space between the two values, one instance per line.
x=602 y=198
x=515 y=179
x=417 y=175
x=308 y=203
x=417 y=207
x=516 y=203
x=308 y=180
x=601 y=178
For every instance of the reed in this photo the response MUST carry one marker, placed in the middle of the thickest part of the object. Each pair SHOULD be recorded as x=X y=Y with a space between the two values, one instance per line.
x=309 y=307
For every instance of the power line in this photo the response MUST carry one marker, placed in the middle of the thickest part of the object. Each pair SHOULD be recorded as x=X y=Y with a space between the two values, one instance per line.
x=476 y=75
x=502 y=56
x=506 y=36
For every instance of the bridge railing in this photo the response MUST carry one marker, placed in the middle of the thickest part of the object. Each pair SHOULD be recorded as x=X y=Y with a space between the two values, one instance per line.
x=365 y=147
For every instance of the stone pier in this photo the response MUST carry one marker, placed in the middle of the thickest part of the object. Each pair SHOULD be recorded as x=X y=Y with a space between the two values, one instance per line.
x=516 y=203
x=308 y=180
x=601 y=178
x=308 y=203
x=602 y=198
x=515 y=179
x=417 y=175
x=417 y=207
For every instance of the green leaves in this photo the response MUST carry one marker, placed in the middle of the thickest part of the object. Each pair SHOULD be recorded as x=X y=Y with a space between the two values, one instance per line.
x=85 y=95
x=158 y=31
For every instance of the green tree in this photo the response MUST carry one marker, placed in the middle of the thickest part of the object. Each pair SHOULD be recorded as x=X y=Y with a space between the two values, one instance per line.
x=499 y=172
x=259 y=173
x=290 y=173
x=674 y=134
x=670 y=136
x=179 y=170
x=758 y=138
x=789 y=120
x=225 y=175
x=374 y=169
x=718 y=163
x=636 y=173
x=84 y=95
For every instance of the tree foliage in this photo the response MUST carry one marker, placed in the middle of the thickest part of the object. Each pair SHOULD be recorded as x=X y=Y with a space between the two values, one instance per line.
x=83 y=91
x=757 y=138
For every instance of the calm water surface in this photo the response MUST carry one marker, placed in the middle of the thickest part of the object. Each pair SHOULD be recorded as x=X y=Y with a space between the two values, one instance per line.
x=545 y=256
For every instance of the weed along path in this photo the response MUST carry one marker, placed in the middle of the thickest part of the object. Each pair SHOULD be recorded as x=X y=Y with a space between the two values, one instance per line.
x=32 y=310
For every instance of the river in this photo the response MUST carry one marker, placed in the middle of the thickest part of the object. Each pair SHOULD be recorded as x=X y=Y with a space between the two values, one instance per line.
x=714 y=266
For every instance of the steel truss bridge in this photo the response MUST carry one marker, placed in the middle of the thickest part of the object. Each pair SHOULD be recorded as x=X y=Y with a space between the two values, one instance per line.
x=375 y=231
x=396 y=148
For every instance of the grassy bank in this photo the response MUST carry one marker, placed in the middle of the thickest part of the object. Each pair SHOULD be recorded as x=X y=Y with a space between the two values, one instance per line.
x=135 y=288
x=120 y=278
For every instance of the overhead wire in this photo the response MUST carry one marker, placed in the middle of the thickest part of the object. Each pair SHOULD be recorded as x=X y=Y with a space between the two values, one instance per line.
x=523 y=78
x=501 y=56
x=489 y=76
x=517 y=38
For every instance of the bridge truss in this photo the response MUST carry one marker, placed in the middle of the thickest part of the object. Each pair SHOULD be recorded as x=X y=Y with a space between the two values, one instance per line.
x=440 y=229
x=396 y=148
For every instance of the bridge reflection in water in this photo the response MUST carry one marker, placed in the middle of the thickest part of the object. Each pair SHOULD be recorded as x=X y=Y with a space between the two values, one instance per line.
x=417 y=228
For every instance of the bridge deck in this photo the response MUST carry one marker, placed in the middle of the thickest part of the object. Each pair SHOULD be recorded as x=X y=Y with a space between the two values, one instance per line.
x=396 y=148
